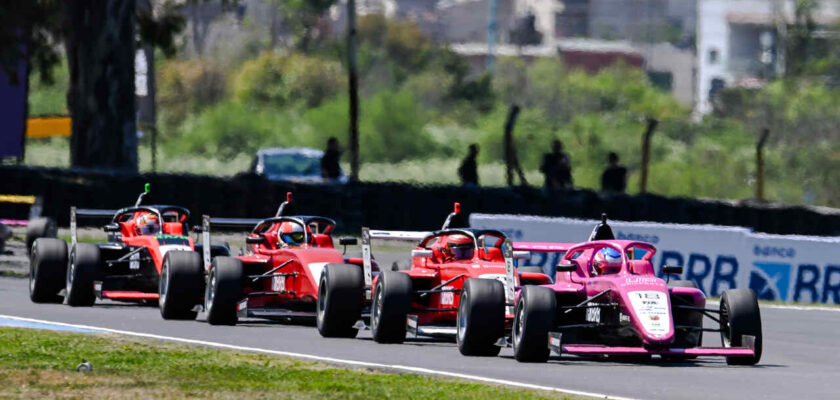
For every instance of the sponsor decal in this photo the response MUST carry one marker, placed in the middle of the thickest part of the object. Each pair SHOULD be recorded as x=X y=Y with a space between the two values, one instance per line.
x=652 y=309
x=278 y=283
x=770 y=280
x=447 y=298
x=173 y=240
x=643 y=281
x=593 y=314
x=169 y=247
x=134 y=261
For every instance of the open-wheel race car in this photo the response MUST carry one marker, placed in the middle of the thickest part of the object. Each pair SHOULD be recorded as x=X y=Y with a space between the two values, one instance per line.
x=283 y=273
x=147 y=249
x=607 y=300
x=447 y=266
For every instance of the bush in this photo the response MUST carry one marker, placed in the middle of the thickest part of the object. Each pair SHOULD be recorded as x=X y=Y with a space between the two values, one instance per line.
x=185 y=88
x=280 y=80
x=392 y=128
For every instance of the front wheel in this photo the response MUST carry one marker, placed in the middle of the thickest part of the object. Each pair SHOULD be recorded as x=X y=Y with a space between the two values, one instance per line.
x=179 y=287
x=340 y=292
x=391 y=302
x=82 y=271
x=739 y=316
x=481 y=317
x=534 y=318
x=224 y=290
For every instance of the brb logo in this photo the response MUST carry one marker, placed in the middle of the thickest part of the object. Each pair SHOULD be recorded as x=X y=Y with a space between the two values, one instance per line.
x=770 y=281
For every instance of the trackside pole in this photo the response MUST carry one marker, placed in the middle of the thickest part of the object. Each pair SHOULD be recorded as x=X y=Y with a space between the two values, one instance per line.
x=205 y=238
x=366 y=261
x=510 y=283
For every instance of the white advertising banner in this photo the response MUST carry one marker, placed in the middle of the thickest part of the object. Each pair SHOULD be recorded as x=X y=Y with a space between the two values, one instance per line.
x=786 y=268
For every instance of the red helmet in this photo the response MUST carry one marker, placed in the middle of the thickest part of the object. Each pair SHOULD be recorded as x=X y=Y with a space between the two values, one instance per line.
x=460 y=246
x=291 y=233
x=147 y=224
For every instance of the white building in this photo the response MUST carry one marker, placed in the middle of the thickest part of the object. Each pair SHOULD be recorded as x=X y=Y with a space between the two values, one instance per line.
x=737 y=43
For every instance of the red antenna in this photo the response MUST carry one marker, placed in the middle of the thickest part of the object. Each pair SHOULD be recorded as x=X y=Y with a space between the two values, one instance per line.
x=288 y=197
x=457 y=209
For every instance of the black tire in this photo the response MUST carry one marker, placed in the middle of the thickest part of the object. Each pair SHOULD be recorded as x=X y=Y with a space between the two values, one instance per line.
x=481 y=317
x=740 y=315
x=683 y=283
x=391 y=302
x=82 y=270
x=47 y=270
x=224 y=291
x=534 y=318
x=42 y=227
x=180 y=285
x=340 y=296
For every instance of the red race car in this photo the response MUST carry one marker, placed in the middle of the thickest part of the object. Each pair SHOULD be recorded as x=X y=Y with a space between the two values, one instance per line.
x=147 y=249
x=289 y=259
x=425 y=299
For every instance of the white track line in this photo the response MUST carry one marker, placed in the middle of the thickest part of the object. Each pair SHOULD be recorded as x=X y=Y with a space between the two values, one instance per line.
x=326 y=359
x=786 y=307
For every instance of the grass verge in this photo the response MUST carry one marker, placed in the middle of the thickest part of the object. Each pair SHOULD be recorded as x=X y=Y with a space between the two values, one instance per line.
x=42 y=364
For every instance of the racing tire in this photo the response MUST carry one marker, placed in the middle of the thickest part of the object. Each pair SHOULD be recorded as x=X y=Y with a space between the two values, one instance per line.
x=179 y=286
x=739 y=316
x=481 y=317
x=41 y=227
x=224 y=290
x=340 y=296
x=533 y=319
x=83 y=268
x=47 y=270
x=391 y=302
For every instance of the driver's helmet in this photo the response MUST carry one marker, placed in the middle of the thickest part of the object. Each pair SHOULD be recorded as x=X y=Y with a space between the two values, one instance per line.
x=291 y=233
x=147 y=224
x=460 y=246
x=607 y=259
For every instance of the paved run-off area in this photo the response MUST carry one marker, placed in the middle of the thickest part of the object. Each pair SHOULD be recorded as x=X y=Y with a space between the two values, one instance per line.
x=801 y=353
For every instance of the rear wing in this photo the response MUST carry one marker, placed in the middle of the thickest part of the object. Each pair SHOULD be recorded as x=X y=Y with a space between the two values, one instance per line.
x=76 y=213
x=207 y=222
x=370 y=234
x=542 y=247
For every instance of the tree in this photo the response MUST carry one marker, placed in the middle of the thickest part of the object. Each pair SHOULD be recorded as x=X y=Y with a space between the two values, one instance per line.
x=99 y=39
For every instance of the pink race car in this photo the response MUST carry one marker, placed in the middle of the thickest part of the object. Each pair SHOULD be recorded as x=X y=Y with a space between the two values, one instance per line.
x=607 y=300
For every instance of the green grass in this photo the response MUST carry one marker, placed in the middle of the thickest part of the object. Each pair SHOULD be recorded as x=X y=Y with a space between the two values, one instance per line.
x=41 y=364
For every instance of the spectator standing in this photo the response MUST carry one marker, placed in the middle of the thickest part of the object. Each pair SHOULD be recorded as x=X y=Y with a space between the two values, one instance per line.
x=614 y=178
x=468 y=171
x=557 y=167
x=330 y=169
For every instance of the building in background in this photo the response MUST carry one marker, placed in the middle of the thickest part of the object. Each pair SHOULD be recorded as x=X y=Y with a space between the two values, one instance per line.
x=740 y=43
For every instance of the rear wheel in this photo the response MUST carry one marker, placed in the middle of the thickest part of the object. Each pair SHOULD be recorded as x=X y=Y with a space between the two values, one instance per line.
x=739 y=316
x=534 y=317
x=81 y=272
x=391 y=302
x=180 y=285
x=340 y=293
x=42 y=227
x=481 y=317
x=224 y=290
x=47 y=270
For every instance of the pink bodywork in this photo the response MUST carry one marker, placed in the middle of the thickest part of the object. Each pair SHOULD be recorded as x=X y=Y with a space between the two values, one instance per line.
x=634 y=278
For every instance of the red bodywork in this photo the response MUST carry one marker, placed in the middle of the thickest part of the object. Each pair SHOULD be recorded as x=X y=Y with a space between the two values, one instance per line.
x=295 y=293
x=173 y=226
x=441 y=309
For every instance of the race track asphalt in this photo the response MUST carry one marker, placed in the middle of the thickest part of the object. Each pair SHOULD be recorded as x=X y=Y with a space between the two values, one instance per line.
x=801 y=353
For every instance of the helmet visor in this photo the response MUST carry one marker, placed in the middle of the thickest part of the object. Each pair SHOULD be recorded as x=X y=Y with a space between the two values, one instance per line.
x=462 y=253
x=292 y=238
